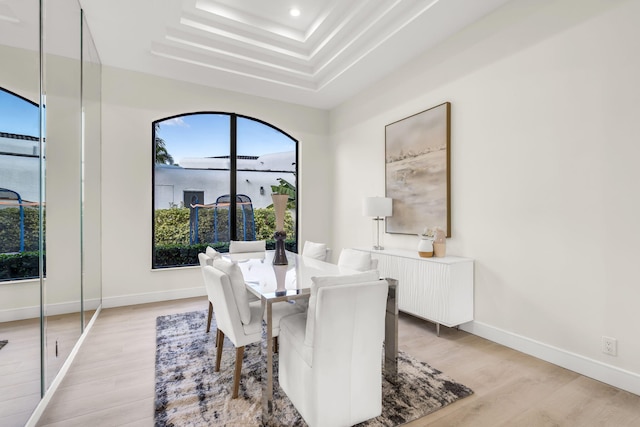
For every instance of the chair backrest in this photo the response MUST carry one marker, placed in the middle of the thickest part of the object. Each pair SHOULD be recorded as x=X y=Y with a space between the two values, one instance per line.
x=349 y=331
x=204 y=261
x=224 y=302
x=315 y=250
x=355 y=260
x=238 y=287
x=318 y=283
x=238 y=246
x=212 y=253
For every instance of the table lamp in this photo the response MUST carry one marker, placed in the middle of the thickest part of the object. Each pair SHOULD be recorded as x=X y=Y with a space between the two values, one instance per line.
x=378 y=208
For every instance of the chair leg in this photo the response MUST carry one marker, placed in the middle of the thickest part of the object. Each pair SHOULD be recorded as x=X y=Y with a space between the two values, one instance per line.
x=236 y=375
x=209 y=317
x=219 y=340
x=275 y=344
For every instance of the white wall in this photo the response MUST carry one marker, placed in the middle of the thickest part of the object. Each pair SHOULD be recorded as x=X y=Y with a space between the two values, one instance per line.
x=545 y=106
x=131 y=102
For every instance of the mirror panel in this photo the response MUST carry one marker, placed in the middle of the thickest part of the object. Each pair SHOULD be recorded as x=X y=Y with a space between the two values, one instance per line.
x=91 y=175
x=62 y=89
x=50 y=90
x=20 y=140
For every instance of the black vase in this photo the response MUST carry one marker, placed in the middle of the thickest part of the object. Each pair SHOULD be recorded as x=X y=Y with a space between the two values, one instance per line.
x=280 y=257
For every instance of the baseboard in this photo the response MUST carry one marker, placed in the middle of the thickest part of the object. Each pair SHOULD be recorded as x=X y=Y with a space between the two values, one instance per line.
x=608 y=374
x=133 y=299
x=21 y=313
x=42 y=405
x=33 y=312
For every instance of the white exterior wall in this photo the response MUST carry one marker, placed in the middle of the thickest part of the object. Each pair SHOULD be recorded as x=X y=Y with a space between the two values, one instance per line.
x=545 y=105
x=22 y=175
x=171 y=182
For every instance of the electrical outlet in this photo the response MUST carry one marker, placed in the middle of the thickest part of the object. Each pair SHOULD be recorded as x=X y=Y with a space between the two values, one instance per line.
x=610 y=346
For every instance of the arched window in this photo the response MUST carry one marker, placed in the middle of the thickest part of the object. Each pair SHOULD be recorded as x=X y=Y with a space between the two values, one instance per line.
x=213 y=175
x=20 y=187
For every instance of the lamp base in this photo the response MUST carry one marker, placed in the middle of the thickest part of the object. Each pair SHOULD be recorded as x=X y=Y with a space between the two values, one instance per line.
x=378 y=222
x=280 y=257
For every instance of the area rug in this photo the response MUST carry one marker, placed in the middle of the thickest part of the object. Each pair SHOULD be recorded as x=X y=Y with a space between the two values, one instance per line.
x=3 y=343
x=190 y=393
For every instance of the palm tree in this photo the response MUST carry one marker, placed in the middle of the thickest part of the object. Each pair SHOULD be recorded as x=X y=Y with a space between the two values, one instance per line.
x=162 y=155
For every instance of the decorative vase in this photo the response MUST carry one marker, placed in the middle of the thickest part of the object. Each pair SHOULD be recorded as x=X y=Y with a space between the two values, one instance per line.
x=439 y=243
x=279 y=206
x=425 y=247
x=281 y=275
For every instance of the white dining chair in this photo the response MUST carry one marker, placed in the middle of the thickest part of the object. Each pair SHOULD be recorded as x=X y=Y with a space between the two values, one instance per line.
x=207 y=259
x=357 y=260
x=239 y=246
x=315 y=250
x=330 y=356
x=212 y=253
x=237 y=318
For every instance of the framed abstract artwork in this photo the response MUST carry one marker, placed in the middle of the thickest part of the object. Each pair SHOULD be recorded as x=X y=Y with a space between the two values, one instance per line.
x=417 y=171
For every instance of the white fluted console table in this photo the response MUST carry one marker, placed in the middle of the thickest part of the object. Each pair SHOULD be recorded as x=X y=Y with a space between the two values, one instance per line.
x=439 y=290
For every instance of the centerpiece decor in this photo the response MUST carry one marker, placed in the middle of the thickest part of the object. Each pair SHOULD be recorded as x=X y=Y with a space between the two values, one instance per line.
x=279 y=206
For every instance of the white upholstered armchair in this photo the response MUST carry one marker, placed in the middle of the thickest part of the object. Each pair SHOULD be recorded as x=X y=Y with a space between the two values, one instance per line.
x=330 y=361
x=236 y=317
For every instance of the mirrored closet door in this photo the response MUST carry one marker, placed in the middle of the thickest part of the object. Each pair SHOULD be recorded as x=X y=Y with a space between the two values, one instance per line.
x=50 y=220
x=22 y=207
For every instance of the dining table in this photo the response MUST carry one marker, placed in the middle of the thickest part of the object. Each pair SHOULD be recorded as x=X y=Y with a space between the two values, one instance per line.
x=281 y=284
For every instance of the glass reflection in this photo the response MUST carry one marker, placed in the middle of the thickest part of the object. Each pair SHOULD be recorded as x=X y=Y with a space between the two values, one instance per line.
x=41 y=319
x=62 y=91
x=20 y=141
x=91 y=171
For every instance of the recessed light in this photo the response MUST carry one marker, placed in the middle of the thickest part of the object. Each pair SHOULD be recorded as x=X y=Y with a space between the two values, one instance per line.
x=294 y=11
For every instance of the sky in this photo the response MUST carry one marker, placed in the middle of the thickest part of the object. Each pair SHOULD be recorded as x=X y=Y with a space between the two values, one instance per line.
x=207 y=135
x=196 y=135
x=18 y=116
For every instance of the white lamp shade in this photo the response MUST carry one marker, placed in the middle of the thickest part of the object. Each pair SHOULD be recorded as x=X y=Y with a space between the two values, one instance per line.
x=377 y=206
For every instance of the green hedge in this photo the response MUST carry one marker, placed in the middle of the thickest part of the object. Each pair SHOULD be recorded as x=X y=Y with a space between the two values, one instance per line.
x=10 y=229
x=19 y=266
x=15 y=265
x=171 y=238
x=172 y=225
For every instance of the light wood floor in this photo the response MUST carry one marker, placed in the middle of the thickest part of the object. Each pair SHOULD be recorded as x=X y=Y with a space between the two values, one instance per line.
x=20 y=362
x=111 y=382
x=19 y=371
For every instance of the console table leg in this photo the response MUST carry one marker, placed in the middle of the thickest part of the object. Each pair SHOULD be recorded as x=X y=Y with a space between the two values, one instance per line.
x=438 y=329
x=391 y=333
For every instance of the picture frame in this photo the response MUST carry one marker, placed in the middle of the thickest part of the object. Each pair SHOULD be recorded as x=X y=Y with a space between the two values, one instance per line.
x=418 y=171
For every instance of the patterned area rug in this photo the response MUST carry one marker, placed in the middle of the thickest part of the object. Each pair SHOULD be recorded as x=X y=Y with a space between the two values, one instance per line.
x=190 y=393
x=3 y=343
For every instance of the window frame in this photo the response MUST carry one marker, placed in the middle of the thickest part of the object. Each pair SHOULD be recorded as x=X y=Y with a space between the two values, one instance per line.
x=233 y=174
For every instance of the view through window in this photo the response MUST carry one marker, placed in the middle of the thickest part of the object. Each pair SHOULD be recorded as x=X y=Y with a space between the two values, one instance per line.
x=19 y=187
x=210 y=168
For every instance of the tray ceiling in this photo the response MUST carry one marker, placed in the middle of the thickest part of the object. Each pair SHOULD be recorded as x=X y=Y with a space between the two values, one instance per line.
x=334 y=49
